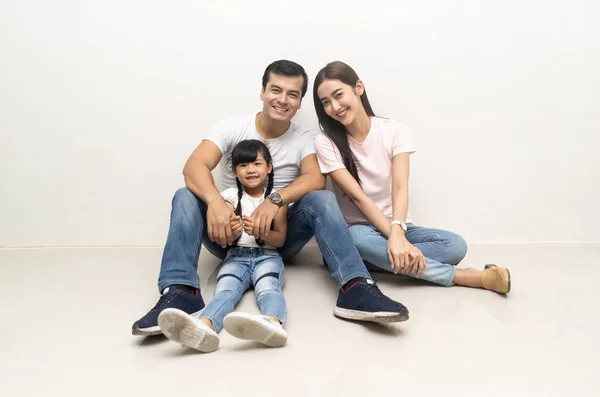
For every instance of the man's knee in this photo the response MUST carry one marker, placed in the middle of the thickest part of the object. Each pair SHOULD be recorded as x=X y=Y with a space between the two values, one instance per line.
x=184 y=198
x=184 y=195
x=321 y=199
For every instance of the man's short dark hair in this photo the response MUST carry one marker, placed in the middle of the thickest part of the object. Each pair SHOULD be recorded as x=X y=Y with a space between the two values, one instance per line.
x=285 y=68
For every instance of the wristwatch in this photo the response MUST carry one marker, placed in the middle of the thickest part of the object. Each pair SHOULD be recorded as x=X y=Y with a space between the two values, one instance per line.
x=276 y=199
x=399 y=223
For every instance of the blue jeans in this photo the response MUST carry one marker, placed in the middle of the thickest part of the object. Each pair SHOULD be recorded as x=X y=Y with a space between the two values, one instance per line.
x=442 y=250
x=243 y=266
x=316 y=214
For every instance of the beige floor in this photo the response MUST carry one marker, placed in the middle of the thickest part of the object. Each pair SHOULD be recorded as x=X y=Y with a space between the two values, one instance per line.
x=67 y=313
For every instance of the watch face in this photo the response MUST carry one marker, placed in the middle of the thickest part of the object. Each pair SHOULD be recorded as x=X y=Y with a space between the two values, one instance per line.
x=275 y=198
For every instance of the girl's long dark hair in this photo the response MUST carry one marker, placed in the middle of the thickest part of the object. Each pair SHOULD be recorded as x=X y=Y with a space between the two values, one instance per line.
x=332 y=128
x=247 y=152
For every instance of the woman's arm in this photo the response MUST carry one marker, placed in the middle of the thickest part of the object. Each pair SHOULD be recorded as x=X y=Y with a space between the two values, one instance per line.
x=276 y=237
x=400 y=171
x=365 y=205
x=402 y=254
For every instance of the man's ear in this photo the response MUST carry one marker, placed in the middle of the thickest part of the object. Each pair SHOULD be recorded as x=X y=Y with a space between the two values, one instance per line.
x=262 y=94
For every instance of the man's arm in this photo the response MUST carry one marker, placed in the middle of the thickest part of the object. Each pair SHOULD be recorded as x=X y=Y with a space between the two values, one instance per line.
x=197 y=171
x=310 y=179
x=198 y=178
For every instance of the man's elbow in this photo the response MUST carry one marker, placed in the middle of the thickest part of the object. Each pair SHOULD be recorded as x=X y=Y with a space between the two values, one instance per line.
x=279 y=244
x=186 y=176
x=320 y=182
x=186 y=170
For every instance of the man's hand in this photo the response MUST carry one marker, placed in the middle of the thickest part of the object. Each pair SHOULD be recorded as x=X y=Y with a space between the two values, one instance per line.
x=218 y=222
x=236 y=227
x=262 y=217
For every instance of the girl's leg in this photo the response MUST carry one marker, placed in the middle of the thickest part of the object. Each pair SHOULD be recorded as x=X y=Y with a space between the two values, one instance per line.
x=232 y=281
x=268 y=286
x=266 y=328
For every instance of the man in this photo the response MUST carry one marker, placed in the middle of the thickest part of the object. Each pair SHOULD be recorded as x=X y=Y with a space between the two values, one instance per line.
x=200 y=216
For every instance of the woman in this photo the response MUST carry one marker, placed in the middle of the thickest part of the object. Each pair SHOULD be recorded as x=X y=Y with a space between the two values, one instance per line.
x=367 y=158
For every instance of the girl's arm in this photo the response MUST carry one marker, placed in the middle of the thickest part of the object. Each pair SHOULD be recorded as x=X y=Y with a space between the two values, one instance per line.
x=276 y=237
x=365 y=205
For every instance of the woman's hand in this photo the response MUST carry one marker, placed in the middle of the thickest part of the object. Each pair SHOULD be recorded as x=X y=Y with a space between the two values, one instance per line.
x=403 y=256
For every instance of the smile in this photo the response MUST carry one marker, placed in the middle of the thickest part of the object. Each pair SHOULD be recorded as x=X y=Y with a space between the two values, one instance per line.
x=342 y=113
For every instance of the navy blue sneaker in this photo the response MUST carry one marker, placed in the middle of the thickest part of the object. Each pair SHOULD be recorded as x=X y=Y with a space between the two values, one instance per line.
x=364 y=301
x=172 y=297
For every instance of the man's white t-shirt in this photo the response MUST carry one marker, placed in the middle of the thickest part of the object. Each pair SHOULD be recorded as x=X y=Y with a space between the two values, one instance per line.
x=249 y=204
x=373 y=157
x=287 y=151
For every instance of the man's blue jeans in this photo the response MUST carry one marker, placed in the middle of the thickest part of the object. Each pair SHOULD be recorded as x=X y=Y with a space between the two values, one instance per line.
x=316 y=214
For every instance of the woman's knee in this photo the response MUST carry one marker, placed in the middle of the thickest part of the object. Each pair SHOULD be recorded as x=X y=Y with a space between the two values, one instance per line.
x=457 y=249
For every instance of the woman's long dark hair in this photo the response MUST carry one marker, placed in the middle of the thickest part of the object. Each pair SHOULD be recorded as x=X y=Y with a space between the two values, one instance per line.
x=247 y=152
x=332 y=128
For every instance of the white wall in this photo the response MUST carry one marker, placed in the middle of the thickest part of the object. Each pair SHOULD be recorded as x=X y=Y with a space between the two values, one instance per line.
x=101 y=102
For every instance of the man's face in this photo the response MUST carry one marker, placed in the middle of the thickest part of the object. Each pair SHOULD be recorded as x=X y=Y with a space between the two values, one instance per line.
x=282 y=97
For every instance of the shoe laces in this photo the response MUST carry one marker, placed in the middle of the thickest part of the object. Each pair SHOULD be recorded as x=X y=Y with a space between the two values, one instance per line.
x=164 y=301
x=374 y=290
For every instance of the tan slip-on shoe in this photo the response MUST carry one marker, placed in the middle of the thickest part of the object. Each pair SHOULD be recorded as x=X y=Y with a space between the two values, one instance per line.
x=496 y=279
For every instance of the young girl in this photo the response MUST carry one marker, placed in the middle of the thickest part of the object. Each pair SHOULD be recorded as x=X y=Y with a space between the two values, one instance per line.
x=248 y=262
x=367 y=158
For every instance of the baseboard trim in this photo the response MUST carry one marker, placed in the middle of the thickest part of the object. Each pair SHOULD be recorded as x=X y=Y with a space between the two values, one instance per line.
x=311 y=243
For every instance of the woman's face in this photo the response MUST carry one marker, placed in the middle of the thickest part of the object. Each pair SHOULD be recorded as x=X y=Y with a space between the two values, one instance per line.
x=341 y=101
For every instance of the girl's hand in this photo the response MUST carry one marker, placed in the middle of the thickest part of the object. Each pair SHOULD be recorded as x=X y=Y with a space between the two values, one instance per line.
x=236 y=227
x=249 y=225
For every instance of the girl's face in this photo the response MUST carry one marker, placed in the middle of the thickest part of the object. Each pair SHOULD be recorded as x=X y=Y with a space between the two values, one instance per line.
x=254 y=174
x=341 y=101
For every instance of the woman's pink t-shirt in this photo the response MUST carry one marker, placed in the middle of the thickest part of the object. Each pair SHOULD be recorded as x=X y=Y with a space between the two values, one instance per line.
x=373 y=157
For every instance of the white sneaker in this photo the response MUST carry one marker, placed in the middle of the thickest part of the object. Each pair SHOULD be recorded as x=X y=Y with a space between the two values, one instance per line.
x=190 y=331
x=255 y=327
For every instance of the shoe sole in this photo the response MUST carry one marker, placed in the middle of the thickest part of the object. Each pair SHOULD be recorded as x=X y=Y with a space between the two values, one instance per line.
x=179 y=327
x=152 y=331
x=248 y=328
x=376 y=317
